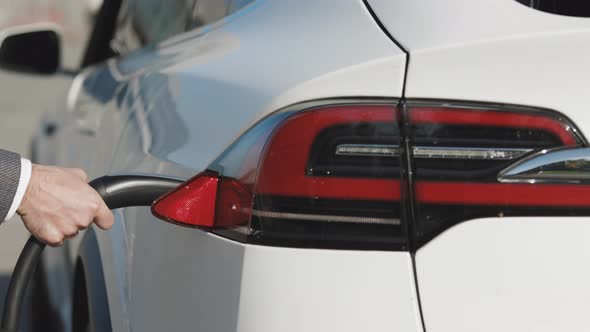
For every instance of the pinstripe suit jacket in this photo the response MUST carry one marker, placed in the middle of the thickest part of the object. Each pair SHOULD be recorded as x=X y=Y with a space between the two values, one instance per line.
x=10 y=165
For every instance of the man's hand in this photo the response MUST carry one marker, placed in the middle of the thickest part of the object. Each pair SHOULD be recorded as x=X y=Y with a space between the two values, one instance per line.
x=59 y=202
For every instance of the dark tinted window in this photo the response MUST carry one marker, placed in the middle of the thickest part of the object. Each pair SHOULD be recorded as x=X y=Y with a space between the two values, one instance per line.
x=143 y=22
x=238 y=4
x=156 y=20
x=580 y=8
x=209 y=11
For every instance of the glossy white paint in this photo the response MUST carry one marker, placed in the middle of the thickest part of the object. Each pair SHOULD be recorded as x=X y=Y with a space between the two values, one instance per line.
x=214 y=78
x=192 y=280
x=507 y=274
x=493 y=50
x=327 y=290
x=171 y=110
x=511 y=274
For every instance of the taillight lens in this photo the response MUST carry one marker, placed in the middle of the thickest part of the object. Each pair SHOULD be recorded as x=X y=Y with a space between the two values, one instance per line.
x=207 y=200
x=326 y=176
x=192 y=203
x=458 y=152
x=332 y=176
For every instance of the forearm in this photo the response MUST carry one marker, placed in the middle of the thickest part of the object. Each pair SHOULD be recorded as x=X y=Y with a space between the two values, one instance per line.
x=15 y=173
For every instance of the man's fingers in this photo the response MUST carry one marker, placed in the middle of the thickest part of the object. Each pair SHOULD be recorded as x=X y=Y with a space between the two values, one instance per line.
x=69 y=230
x=51 y=236
x=104 y=217
x=53 y=244
x=71 y=235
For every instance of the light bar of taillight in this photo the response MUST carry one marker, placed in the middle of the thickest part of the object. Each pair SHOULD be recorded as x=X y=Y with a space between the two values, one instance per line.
x=366 y=150
x=393 y=151
x=434 y=152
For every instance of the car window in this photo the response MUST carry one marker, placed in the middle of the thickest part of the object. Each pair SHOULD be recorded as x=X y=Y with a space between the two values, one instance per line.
x=209 y=11
x=156 y=20
x=579 y=8
x=125 y=38
x=143 y=22
x=238 y=4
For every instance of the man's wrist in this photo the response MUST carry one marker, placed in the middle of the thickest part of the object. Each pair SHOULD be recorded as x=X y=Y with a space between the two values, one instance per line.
x=23 y=183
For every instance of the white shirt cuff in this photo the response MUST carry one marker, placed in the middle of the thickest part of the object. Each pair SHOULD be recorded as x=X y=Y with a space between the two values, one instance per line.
x=23 y=182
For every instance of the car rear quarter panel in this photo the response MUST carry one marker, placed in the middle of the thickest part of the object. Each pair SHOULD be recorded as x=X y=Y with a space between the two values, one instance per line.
x=192 y=96
x=220 y=80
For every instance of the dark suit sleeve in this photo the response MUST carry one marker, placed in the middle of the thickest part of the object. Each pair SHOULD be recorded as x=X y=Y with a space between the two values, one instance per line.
x=10 y=165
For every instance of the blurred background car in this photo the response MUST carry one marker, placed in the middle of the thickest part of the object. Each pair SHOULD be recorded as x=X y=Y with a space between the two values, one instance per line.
x=25 y=98
x=370 y=165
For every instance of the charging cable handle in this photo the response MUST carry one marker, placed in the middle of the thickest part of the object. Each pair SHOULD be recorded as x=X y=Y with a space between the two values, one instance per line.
x=117 y=191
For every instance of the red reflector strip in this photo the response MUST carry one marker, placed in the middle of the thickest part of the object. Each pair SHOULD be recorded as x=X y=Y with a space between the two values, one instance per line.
x=335 y=188
x=492 y=118
x=192 y=203
x=503 y=194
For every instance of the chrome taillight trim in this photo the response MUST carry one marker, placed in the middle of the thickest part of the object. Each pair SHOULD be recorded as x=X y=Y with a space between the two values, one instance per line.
x=561 y=165
x=326 y=218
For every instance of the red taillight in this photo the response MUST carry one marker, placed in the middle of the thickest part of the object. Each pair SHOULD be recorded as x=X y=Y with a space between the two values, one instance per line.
x=458 y=153
x=286 y=167
x=206 y=201
x=192 y=203
x=323 y=177
x=332 y=175
x=234 y=203
x=493 y=118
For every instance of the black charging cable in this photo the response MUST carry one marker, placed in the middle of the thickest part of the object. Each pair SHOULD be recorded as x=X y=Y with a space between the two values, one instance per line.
x=117 y=191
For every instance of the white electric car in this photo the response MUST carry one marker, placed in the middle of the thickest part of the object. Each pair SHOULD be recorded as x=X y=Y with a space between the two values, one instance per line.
x=377 y=165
